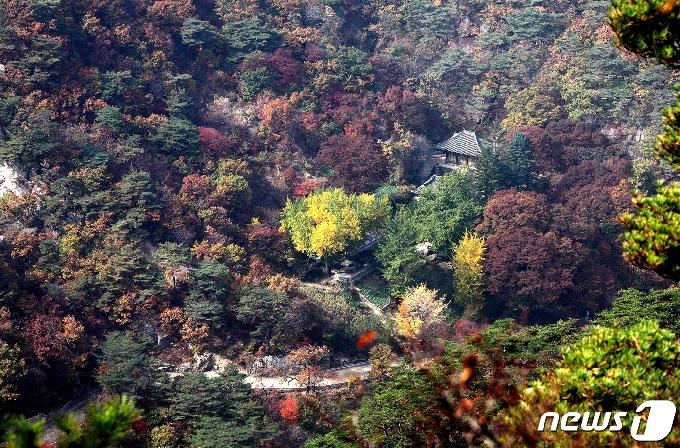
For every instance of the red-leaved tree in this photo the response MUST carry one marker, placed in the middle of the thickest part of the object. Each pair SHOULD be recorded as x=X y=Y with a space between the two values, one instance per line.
x=288 y=409
x=358 y=163
x=213 y=142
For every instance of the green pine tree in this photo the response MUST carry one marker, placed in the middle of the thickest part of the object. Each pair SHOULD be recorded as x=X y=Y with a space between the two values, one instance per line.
x=220 y=411
x=487 y=175
x=125 y=367
x=105 y=424
x=518 y=164
x=648 y=29
x=176 y=137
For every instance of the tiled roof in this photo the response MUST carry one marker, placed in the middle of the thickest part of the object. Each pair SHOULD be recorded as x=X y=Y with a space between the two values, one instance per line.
x=464 y=142
x=431 y=182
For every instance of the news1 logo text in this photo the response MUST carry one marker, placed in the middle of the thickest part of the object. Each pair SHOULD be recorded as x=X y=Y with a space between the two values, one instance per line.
x=659 y=421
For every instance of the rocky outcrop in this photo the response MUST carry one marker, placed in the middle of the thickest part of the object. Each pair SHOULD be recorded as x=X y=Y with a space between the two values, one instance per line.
x=201 y=363
x=204 y=363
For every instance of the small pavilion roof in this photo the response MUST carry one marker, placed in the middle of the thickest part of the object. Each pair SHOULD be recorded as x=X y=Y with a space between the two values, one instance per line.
x=464 y=142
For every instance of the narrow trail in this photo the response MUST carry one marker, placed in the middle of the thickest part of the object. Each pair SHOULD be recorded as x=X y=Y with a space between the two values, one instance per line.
x=336 y=377
x=333 y=376
x=372 y=307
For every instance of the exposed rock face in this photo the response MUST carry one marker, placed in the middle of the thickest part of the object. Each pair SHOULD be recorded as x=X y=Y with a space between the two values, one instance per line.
x=165 y=367
x=8 y=180
x=271 y=364
x=202 y=363
x=185 y=367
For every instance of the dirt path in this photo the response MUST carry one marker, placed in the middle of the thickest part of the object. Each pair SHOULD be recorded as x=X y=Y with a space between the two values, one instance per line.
x=334 y=376
x=340 y=376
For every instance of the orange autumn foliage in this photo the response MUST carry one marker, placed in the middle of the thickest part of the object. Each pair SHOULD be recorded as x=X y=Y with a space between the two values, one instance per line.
x=366 y=338
x=289 y=410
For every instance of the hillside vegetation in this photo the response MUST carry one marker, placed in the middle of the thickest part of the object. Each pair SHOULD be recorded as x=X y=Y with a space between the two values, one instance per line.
x=159 y=144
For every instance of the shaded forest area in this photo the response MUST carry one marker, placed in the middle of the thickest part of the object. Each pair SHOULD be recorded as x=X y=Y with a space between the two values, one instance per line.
x=174 y=158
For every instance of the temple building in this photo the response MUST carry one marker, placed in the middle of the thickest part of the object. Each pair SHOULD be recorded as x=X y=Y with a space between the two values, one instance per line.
x=462 y=148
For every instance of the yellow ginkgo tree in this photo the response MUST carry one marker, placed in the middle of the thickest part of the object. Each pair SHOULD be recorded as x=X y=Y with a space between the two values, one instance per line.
x=468 y=277
x=329 y=222
x=419 y=307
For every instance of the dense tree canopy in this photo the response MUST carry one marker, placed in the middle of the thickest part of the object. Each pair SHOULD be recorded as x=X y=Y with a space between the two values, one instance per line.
x=397 y=252
x=151 y=147
x=125 y=367
x=406 y=411
x=357 y=162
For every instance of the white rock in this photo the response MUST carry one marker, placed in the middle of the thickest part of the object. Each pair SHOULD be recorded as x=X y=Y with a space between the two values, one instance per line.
x=8 y=178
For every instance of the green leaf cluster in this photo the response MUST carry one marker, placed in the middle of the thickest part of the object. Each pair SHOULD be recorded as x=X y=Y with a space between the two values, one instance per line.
x=104 y=425
x=653 y=237
x=648 y=28
x=618 y=368
x=445 y=213
x=263 y=310
x=219 y=412
x=439 y=217
x=609 y=370
x=177 y=137
x=534 y=25
x=517 y=165
x=125 y=366
x=407 y=411
x=397 y=253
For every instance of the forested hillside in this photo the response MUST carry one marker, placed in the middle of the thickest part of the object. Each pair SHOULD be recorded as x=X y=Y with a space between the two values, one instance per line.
x=187 y=173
